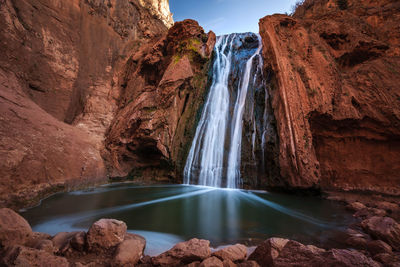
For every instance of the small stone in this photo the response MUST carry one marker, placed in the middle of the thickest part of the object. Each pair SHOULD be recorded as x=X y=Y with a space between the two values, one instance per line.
x=355 y=206
x=61 y=241
x=105 y=234
x=211 y=262
x=129 y=252
x=234 y=253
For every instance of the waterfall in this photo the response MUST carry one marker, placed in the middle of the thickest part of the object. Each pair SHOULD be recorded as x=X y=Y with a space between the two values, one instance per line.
x=215 y=154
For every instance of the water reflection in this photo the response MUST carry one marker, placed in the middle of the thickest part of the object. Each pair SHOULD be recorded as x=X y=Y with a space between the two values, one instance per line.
x=165 y=214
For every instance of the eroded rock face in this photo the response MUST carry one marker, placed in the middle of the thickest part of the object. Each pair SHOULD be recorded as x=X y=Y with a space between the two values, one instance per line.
x=162 y=93
x=335 y=74
x=59 y=63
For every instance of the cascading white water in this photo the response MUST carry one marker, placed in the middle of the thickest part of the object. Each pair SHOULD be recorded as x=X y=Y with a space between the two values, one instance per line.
x=212 y=156
x=236 y=131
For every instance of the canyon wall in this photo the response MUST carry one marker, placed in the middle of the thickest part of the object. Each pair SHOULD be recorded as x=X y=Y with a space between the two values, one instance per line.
x=334 y=91
x=59 y=68
x=163 y=89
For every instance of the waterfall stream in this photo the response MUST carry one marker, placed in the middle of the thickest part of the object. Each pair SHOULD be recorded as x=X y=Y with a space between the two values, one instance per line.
x=215 y=155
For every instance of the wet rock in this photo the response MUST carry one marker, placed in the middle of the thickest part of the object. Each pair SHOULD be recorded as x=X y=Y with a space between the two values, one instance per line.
x=14 y=229
x=234 y=253
x=184 y=253
x=23 y=256
x=78 y=241
x=355 y=206
x=383 y=228
x=378 y=246
x=269 y=250
x=129 y=252
x=211 y=262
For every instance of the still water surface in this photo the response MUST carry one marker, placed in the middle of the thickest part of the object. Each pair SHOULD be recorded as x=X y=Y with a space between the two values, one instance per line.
x=168 y=214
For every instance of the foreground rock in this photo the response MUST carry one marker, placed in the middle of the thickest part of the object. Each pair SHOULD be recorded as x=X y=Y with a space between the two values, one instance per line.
x=184 y=253
x=281 y=252
x=234 y=253
x=105 y=234
x=13 y=228
x=384 y=228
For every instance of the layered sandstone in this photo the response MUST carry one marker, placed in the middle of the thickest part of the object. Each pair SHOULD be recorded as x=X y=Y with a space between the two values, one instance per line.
x=59 y=63
x=335 y=74
x=162 y=92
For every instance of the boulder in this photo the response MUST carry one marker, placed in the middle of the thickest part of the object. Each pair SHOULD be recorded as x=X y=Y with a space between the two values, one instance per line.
x=129 y=252
x=267 y=251
x=355 y=206
x=23 y=256
x=378 y=246
x=14 y=229
x=105 y=234
x=211 y=262
x=383 y=228
x=184 y=253
x=136 y=237
x=234 y=253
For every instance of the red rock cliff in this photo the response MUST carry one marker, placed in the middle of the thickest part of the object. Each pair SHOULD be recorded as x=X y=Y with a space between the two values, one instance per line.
x=162 y=93
x=336 y=74
x=59 y=62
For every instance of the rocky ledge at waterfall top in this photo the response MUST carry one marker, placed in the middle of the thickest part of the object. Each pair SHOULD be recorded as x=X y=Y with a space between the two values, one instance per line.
x=373 y=241
x=335 y=69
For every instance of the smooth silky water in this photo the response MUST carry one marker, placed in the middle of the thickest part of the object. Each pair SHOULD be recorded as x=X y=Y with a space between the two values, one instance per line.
x=168 y=214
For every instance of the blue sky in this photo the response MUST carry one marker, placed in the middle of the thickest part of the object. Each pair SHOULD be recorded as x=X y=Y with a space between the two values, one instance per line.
x=228 y=16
